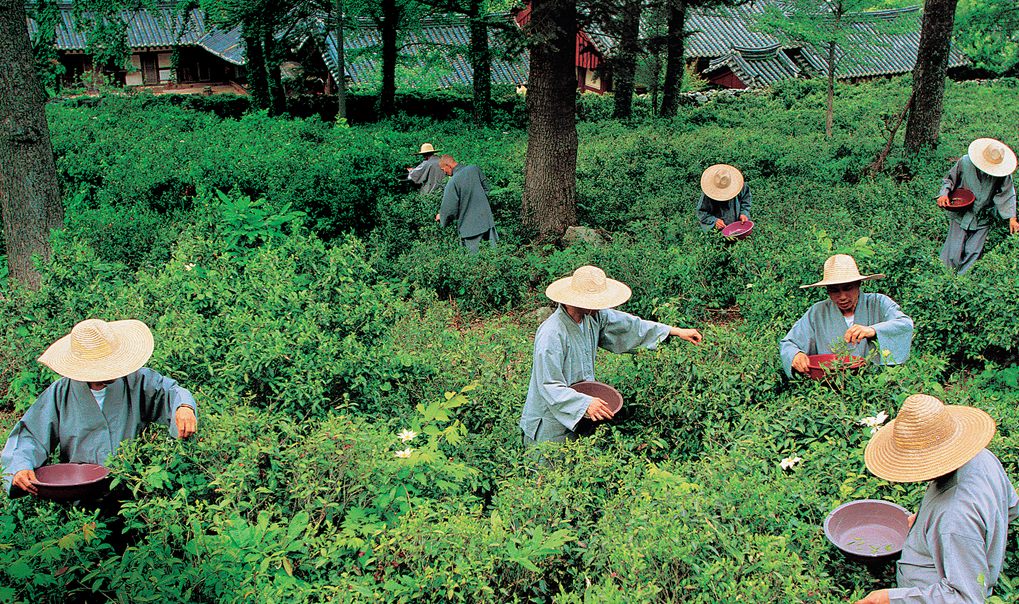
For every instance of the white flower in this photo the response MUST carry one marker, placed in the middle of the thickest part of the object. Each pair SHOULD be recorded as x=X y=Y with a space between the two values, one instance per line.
x=789 y=462
x=873 y=422
x=189 y=266
x=405 y=453
x=407 y=435
x=749 y=285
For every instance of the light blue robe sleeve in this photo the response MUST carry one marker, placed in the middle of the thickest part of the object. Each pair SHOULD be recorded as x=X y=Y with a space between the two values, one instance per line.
x=823 y=324
x=743 y=202
x=67 y=414
x=622 y=332
x=566 y=404
x=801 y=338
x=894 y=328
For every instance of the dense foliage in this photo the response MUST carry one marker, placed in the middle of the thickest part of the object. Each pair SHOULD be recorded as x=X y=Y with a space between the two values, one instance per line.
x=317 y=311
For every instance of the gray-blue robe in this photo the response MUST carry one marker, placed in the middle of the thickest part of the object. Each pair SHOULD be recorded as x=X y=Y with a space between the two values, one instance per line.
x=67 y=414
x=428 y=174
x=564 y=354
x=824 y=324
x=465 y=199
x=960 y=533
x=967 y=231
x=710 y=210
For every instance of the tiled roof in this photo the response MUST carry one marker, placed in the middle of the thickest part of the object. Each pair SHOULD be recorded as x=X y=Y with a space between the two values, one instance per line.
x=154 y=29
x=719 y=31
x=448 y=37
x=757 y=67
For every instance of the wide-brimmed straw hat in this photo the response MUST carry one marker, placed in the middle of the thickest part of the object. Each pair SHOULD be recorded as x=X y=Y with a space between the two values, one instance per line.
x=927 y=439
x=722 y=182
x=841 y=268
x=426 y=148
x=588 y=288
x=96 y=351
x=992 y=156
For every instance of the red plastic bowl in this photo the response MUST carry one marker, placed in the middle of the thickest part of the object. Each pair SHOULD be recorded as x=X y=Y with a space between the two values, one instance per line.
x=821 y=365
x=603 y=391
x=738 y=230
x=868 y=529
x=960 y=200
x=71 y=481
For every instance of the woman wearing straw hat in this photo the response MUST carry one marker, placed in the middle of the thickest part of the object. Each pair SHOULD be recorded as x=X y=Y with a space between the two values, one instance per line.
x=104 y=398
x=428 y=173
x=956 y=543
x=565 y=347
x=725 y=198
x=986 y=171
x=864 y=322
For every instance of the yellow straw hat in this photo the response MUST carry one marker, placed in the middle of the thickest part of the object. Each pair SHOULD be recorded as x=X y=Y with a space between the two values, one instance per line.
x=927 y=439
x=588 y=288
x=96 y=351
x=426 y=148
x=721 y=182
x=992 y=156
x=839 y=269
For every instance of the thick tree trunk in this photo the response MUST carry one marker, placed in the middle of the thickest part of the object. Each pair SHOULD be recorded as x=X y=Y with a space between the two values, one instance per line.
x=29 y=192
x=481 y=65
x=674 y=63
x=549 y=203
x=829 y=117
x=258 y=84
x=274 y=76
x=341 y=62
x=390 y=36
x=929 y=75
x=626 y=63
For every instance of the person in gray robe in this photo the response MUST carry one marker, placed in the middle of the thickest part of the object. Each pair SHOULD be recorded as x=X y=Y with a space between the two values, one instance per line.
x=865 y=325
x=565 y=347
x=428 y=173
x=106 y=397
x=986 y=171
x=465 y=200
x=955 y=548
x=725 y=198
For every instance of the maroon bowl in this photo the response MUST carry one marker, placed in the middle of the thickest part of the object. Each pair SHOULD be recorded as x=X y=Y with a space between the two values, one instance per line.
x=71 y=481
x=738 y=230
x=821 y=365
x=868 y=529
x=960 y=200
x=603 y=391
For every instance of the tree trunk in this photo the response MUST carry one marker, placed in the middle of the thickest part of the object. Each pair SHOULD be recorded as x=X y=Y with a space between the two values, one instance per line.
x=929 y=76
x=481 y=64
x=674 y=63
x=829 y=121
x=258 y=85
x=274 y=76
x=390 y=35
x=29 y=192
x=341 y=63
x=626 y=63
x=549 y=202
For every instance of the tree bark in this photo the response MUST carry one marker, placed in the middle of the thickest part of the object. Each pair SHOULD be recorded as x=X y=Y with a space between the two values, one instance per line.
x=829 y=116
x=274 y=76
x=929 y=76
x=258 y=82
x=29 y=191
x=481 y=64
x=549 y=202
x=626 y=63
x=388 y=30
x=341 y=63
x=674 y=62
